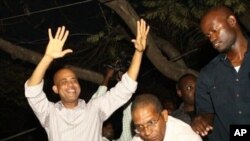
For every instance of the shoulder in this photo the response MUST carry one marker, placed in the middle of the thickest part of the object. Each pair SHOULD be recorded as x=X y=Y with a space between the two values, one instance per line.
x=136 y=138
x=213 y=63
x=178 y=125
x=208 y=72
x=182 y=130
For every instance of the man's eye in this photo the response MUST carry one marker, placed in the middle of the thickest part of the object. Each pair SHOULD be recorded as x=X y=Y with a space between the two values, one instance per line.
x=63 y=82
x=150 y=123
x=75 y=81
x=139 y=127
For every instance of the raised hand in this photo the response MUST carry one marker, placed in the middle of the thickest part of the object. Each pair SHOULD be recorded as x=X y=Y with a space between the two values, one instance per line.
x=55 y=45
x=141 y=37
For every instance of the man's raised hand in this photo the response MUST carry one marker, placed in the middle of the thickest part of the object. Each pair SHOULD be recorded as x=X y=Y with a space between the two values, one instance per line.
x=141 y=37
x=55 y=45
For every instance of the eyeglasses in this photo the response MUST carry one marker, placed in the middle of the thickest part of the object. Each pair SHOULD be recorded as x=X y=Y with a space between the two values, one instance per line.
x=140 y=128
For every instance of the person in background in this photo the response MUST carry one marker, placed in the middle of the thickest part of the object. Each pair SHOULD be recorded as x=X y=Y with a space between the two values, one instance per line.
x=72 y=119
x=170 y=104
x=152 y=122
x=222 y=88
x=108 y=128
x=108 y=132
x=185 y=89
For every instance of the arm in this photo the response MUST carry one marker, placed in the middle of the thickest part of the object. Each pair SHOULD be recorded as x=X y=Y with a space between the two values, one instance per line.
x=140 y=46
x=102 y=89
x=53 y=51
x=123 y=90
x=33 y=87
x=202 y=123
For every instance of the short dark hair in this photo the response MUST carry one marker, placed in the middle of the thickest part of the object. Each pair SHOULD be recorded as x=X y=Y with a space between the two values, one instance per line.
x=144 y=100
x=178 y=85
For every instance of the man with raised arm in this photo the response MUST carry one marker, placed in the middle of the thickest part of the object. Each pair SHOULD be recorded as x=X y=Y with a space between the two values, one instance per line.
x=72 y=119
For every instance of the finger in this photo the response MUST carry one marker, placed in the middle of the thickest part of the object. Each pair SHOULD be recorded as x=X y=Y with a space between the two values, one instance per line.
x=138 y=29
x=209 y=128
x=133 y=40
x=142 y=26
x=61 y=34
x=65 y=36
x=147 y=30
x=57 y=32
x=50 y=34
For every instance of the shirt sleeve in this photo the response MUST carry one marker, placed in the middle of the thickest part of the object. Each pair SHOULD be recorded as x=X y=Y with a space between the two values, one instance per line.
x=204 y=87
x=38 y=101
x=126 y=134
x=115 y=97
x=100 y=91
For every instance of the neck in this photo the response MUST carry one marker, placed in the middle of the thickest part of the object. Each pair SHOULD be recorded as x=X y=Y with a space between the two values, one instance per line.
x=237 y=53
x=70 y=105
x=188 y=107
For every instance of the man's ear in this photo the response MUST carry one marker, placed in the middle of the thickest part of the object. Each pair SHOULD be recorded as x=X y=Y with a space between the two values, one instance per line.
x=165 y=114
x=231 y=20
x=54 y=88
x=178 y=91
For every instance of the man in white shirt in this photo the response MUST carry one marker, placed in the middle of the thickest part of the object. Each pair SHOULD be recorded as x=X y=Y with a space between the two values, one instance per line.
x=72 y=119
x=152 y=122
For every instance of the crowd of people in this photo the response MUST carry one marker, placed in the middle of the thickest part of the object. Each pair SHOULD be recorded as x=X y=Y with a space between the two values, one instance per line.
x=211 y=102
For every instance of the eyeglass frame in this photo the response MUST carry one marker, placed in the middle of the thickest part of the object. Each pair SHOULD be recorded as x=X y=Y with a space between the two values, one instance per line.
x=149 y=125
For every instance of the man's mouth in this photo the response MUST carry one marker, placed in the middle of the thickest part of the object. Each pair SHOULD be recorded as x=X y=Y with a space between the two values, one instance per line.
x=216 y=45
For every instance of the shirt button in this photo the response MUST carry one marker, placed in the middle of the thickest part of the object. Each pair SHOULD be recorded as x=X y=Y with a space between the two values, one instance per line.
x=237 y=95
x=240 y=112
x=237 y=79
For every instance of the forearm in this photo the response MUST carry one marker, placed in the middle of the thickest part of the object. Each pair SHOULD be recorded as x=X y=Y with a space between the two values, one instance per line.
x=39 y=71
x=134 y=68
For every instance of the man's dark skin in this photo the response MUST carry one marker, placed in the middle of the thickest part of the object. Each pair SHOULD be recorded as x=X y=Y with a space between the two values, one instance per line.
x=222 y=29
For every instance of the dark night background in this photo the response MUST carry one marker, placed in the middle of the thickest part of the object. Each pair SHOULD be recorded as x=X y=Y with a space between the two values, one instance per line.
x=20 y=25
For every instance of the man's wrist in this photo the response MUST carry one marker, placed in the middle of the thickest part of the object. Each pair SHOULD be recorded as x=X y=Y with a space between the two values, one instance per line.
x=142 y=50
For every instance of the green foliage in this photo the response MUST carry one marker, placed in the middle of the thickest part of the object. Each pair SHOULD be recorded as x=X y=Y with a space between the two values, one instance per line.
x=183 y=13
x=96 y=37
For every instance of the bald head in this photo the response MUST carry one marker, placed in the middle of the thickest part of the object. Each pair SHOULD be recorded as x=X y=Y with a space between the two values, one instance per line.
x=219 y=12
x=145 y=100
x=61 y=72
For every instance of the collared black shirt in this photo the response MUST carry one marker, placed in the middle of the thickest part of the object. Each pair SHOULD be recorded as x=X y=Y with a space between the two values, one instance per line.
x=225 y=92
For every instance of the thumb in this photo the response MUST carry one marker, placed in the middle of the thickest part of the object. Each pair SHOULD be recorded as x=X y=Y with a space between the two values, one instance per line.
x=66 y=51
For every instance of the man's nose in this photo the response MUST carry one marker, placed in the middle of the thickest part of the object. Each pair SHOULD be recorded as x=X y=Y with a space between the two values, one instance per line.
x=212 y=38
x=147 y=131
x=70 y=83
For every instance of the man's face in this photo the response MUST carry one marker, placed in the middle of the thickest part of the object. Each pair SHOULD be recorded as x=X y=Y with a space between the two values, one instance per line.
x=220 y=31
x=108 y=131
x=67 y=86
x=187 y=89
x=150 y=125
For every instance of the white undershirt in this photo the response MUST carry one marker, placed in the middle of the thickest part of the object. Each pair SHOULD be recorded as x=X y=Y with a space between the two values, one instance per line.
x=237 y=68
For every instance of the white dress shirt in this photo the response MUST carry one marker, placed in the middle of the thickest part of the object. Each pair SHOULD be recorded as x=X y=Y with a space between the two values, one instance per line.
x=84 y=122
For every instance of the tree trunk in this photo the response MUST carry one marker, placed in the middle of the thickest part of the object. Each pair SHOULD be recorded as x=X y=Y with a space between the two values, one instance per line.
x=34 y=57
x=169 y=69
